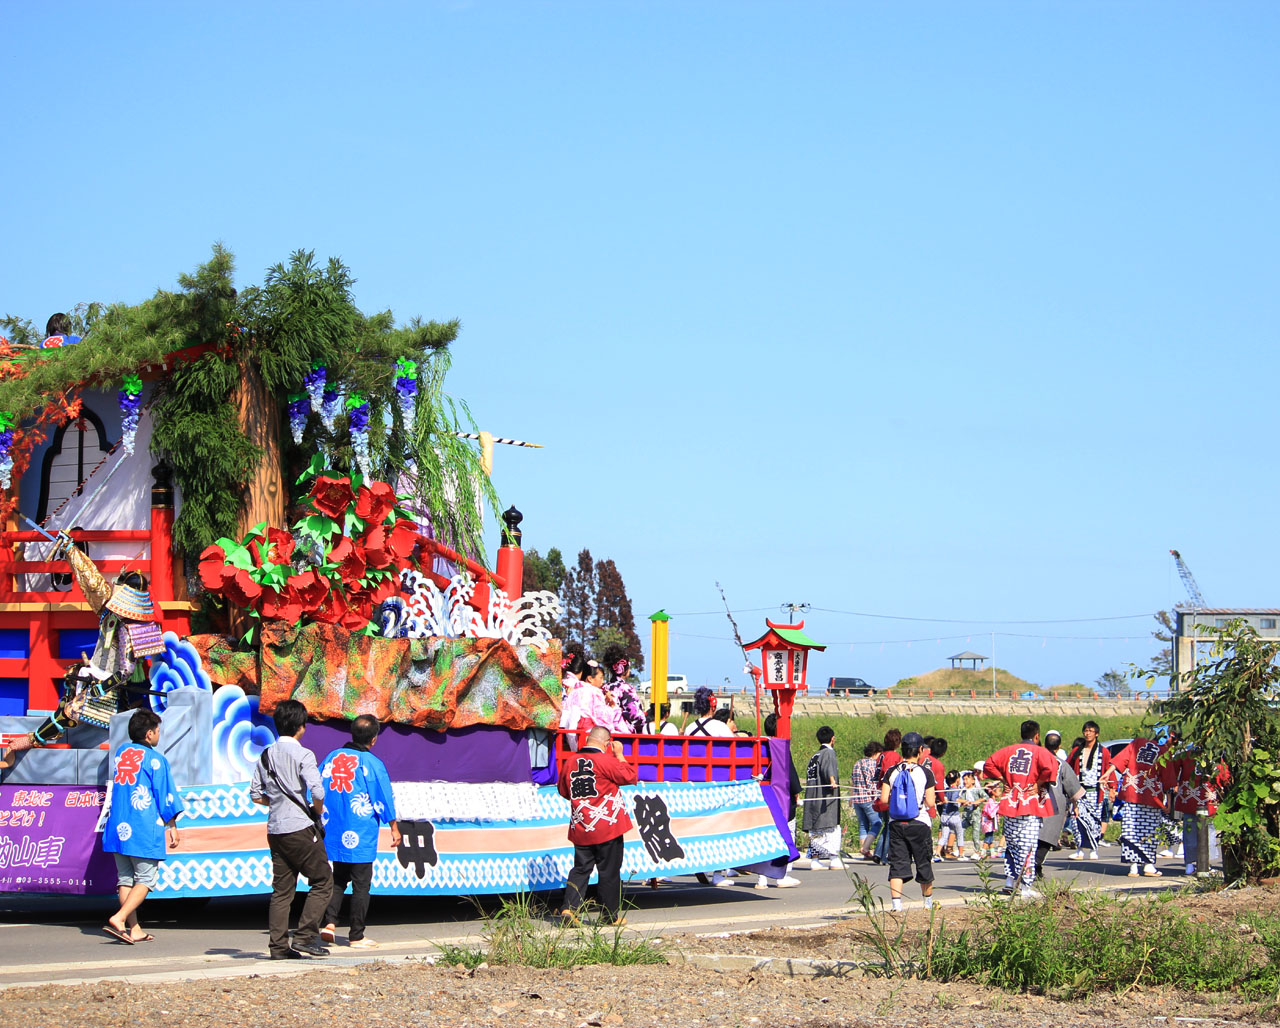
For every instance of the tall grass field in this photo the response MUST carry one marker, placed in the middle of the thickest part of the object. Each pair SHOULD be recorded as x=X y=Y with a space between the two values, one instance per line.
x=970 y=738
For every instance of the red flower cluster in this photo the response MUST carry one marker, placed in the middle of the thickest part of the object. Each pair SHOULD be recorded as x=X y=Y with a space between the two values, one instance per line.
x=359 y=572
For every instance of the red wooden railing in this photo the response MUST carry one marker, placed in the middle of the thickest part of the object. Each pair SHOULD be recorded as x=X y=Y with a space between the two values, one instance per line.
x=672 y=758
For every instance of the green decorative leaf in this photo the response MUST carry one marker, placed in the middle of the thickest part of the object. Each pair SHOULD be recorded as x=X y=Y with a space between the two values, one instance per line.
x=352 y=524
x=314 y=468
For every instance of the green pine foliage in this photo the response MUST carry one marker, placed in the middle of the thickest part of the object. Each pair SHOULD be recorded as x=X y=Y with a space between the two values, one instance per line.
x=302 y=315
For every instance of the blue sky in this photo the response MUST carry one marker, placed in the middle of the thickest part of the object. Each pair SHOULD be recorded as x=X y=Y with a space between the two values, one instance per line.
x=938 y=311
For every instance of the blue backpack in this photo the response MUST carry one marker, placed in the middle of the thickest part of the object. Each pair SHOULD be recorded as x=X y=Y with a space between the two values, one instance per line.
x=904 y=804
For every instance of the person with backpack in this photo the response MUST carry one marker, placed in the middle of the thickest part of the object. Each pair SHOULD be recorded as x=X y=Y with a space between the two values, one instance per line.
x=908 y=794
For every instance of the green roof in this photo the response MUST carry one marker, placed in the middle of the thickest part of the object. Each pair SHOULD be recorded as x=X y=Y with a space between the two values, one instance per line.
x=661 y=615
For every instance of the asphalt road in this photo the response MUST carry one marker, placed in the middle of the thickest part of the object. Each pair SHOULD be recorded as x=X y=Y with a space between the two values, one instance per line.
x=50 y=939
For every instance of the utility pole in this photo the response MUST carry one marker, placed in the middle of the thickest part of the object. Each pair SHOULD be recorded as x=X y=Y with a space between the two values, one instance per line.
x=791 y=609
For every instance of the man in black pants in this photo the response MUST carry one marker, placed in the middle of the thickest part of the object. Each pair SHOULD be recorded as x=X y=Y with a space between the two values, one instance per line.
x=598 y=820
x=910 y=827
x=288 y=782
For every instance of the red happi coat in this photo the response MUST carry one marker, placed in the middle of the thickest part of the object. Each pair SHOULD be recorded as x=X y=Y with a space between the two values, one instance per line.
x=1189 y=789
x=1023 y=767
x=589 y=780
x=1138 y=766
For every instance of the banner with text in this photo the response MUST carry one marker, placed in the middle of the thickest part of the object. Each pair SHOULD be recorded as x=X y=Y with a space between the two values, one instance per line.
x=48 y=842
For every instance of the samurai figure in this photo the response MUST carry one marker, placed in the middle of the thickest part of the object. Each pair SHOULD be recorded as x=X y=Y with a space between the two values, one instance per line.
x=127 y=633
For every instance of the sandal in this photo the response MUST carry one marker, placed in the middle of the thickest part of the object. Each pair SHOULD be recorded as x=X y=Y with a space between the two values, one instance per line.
x=148 y=937
x=1152 y=874
x=115 y=932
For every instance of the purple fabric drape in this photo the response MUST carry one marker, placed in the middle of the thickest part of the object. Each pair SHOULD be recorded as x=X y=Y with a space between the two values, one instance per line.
x=777 y=794
x=479 y=753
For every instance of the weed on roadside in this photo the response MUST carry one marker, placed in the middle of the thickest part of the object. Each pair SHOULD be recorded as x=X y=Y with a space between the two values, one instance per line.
x=519 y=933
x=1071 y=945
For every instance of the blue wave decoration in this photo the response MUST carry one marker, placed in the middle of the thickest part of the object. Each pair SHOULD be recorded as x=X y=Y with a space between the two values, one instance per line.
x=179 y=666
x=240 y=734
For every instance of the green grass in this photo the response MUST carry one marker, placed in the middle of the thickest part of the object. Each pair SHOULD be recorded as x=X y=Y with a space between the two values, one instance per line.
x=1078 y=943
x=524 y=931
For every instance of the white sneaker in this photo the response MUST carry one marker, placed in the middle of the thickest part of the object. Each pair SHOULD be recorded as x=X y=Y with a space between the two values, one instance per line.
x=1077 y=855
x=721 y=882
x=787 y=882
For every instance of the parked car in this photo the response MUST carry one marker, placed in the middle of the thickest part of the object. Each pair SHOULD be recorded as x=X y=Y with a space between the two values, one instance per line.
x=675 y=684
x=848 y=687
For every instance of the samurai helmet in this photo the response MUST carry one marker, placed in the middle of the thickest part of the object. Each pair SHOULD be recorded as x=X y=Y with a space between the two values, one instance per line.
x=130 y=602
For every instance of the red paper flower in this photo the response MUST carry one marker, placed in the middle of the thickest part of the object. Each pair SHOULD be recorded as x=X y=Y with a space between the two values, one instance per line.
x=331 y=496
x=384 y=590
x=402 y=539
x=375 y=502
x=281 y=606
x=282 y=550
x=331 y=609
x=212 y=561
x=240 y=589
x=375 y=547
x=359 y=610
x=309 y=587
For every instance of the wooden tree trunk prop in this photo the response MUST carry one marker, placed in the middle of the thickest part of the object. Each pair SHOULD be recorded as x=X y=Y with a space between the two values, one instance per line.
x=264 y=497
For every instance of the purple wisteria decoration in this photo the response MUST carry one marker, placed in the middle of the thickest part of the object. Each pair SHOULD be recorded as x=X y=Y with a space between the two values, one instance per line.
x=7 y=421
x=313 y=383
x=358 y=421
x=329 y=407
x=299 y=411
x=130 y=405
x=406 y=390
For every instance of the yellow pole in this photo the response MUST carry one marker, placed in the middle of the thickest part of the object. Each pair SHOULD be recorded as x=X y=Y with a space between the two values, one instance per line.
x=658 y=664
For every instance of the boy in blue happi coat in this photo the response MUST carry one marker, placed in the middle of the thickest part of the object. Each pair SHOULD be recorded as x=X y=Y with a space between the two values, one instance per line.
x=357 y=801
x=144 y=810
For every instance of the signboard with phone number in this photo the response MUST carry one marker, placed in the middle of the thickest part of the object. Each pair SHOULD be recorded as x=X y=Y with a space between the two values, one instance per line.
x=48 y=841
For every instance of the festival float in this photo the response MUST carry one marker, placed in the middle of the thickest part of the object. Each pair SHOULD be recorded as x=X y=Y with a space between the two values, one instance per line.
x=214 y=501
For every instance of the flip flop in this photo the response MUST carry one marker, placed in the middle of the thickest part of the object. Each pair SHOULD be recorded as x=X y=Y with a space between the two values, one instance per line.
x=113 y=931
x=146 y=938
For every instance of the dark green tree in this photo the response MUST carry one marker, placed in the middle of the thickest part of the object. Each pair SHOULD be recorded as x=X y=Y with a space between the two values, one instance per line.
x=614 y=615
x=578 y=594
x=1113 y=683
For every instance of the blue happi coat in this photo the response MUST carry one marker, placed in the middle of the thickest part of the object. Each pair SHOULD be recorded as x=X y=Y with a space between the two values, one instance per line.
x=357 y=801
x=143 y=798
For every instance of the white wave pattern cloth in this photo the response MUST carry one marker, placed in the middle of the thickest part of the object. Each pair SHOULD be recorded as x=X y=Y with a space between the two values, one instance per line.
x=466 y=801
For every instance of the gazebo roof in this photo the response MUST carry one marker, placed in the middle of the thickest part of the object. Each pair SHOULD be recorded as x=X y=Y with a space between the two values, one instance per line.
x=967 y=655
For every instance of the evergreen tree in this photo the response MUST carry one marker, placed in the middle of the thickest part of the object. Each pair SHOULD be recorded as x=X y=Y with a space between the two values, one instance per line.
x=614 y=615
x=578 y=595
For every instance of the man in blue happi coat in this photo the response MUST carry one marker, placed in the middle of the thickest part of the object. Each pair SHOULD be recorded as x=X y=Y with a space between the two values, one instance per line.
x=144 y=811
x=357 y=801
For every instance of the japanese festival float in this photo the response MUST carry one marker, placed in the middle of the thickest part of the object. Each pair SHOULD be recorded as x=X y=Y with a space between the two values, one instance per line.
x=292 y=486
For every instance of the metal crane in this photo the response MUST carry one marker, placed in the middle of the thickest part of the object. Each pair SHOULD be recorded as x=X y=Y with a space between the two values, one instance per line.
x=1189 y=583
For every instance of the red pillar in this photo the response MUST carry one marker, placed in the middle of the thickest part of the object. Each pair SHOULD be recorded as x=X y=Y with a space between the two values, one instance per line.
x=161 y=534
x=510 y=568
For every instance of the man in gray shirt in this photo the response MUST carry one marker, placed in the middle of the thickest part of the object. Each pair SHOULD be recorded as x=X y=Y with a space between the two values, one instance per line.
x=1063 y=793
x=287 y=781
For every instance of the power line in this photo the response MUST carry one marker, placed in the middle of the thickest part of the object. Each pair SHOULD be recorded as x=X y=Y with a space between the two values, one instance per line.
x=981 y=621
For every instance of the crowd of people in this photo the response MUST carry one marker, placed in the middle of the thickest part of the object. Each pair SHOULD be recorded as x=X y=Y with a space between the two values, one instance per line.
x=1019 y=804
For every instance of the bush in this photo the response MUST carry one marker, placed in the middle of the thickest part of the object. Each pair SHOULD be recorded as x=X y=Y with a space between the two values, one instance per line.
x=1079 y=943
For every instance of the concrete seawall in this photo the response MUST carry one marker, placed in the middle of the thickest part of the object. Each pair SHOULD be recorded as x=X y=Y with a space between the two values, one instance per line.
x=863 y=706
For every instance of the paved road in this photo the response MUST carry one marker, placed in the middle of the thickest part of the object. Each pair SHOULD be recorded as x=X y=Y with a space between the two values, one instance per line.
x=49 y=939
